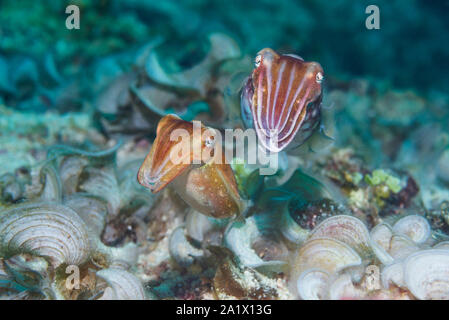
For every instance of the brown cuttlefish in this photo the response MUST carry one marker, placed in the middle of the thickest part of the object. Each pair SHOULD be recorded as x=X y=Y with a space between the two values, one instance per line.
x=188 y=158
x=281 y=99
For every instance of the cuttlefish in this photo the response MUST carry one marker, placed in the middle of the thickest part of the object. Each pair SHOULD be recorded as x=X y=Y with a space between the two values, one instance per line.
x=281 y=99
x=194 y=164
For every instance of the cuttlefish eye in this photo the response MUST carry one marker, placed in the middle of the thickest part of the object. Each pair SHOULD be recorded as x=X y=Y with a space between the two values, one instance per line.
x=258 y=60
x=319 y=77
x=210 y=142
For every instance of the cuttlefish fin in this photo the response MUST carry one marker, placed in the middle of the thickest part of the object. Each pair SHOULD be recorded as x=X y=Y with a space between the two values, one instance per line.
x=323 y=133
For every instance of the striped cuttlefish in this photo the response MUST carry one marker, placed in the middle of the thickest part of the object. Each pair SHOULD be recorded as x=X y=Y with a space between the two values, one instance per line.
x=281 y=99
